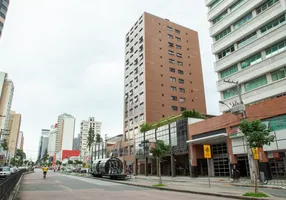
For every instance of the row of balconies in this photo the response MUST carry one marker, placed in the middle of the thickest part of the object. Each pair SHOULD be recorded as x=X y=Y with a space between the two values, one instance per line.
x=254 y=47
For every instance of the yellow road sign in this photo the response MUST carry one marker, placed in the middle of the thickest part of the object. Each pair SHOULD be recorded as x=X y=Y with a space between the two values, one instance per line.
x=255 y=153
x=207 y=151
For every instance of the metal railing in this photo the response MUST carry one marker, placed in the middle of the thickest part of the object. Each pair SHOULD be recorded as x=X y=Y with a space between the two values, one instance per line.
x=8 y=184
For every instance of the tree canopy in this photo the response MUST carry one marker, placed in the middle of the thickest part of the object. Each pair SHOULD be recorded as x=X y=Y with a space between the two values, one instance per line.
x=256 y=133
x=161 y=149
x=90 y=137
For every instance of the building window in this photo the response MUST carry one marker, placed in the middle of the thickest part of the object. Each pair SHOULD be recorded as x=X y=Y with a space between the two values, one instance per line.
x=245 y=41
x=169 y=28
x=170 y=36
x=171 y=61
x=173 y=79
x=172 y=70
x=174 y=108
x=278 y=74
x=173 y=88
x=170 y=44
x=183 y=109
x=182 y=100
x=141 y=48
x=178 y=46
x=277 y=48
x=182 y=90
x=242 y=21
x=180 y=72
x=174 y=98
x=251 y=61
x=223 y=34
x=236 y=5
x=220 y=17
x=177 y=31
x=179 y=55
x=273 y=24
x=229 y=71
x=181 y=81
x=215 y=3
x=178 y=39
x=226 y=52
x=171 y=52
x=253 y=84
x=179 y=63
x=230 y=93
x=265 y=6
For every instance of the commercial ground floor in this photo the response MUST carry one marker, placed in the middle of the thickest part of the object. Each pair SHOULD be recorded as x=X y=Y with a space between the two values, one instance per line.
x=228 y=146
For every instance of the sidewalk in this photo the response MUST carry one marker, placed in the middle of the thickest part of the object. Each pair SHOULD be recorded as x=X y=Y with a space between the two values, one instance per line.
x=196 y=186
x=277 y=184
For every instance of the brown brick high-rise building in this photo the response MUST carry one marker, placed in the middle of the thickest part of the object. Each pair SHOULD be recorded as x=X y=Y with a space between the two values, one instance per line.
x=163 y=75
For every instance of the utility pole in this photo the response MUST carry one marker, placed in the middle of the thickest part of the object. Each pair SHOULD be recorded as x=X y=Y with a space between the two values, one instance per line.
x=239 y=95
x=241 y=109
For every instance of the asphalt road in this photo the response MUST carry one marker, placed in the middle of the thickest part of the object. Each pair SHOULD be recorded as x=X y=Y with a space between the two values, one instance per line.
x=63 y=187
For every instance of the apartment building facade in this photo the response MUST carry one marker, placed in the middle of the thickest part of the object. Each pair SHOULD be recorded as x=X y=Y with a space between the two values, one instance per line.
x=3 y=13
x=249 y=43
x=65 y=132
x=6 y=92
x=163 y=73
x=84 y=128
x=20 y=142
x=14 y=127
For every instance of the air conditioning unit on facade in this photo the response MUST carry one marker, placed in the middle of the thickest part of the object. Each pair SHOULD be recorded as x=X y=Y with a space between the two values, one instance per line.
x=237 y=109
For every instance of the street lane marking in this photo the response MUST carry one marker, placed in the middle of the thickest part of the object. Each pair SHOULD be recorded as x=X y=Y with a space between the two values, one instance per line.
x=66 y=188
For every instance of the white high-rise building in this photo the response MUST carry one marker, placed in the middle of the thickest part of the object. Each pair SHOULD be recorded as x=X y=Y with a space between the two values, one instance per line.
x=6 y=97
x=20 y=140
x=44 y=142
x=249 y=43
x=84 y=128
x=52 y=140
x=65 y=132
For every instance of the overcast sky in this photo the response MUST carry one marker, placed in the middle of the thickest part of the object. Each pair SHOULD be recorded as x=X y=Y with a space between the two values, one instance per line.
x=68 y=56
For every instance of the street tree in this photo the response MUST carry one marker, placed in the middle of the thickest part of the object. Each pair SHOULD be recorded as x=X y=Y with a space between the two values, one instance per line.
x=90 y=140
x=257 y=135
x=98 y=138
x=4 y=144
x=159 y=151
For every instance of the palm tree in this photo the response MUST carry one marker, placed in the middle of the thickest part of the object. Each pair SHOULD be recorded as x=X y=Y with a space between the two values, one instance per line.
x=90 y=140
x=159 y=151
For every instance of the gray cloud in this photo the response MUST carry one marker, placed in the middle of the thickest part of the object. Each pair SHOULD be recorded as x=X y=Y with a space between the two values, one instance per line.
x=68 y=56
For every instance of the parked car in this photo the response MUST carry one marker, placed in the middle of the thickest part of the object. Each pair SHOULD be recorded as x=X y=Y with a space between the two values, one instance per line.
x=5 y=172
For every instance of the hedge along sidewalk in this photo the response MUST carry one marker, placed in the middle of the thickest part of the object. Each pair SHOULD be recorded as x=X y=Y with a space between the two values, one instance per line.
x=227 y=191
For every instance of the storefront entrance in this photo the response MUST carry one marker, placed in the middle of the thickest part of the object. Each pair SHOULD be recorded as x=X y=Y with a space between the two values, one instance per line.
x=243 y=165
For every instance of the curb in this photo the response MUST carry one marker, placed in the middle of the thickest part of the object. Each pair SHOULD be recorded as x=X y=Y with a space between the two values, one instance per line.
x=234 y=184
x=178 y=190
x=261 y=186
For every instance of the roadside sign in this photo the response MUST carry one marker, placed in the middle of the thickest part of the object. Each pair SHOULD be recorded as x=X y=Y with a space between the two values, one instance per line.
x=255 y=153
x=207 y=151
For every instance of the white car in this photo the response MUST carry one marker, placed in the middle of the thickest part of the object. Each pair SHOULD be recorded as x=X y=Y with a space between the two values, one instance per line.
x=5 y=172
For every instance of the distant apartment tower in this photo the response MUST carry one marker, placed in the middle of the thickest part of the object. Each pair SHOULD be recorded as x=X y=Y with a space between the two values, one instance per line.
x=163 y=72
x=65 y=132
x=44 y=142
x=76 y=142
x=84 y=128
x=3 y=12
x=249 y=44
x=52 y=140
x=14 y=126
x=20 y=142
x=6 y=97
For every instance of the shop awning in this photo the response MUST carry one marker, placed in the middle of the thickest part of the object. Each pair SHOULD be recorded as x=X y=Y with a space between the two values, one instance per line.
x=208 y=139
